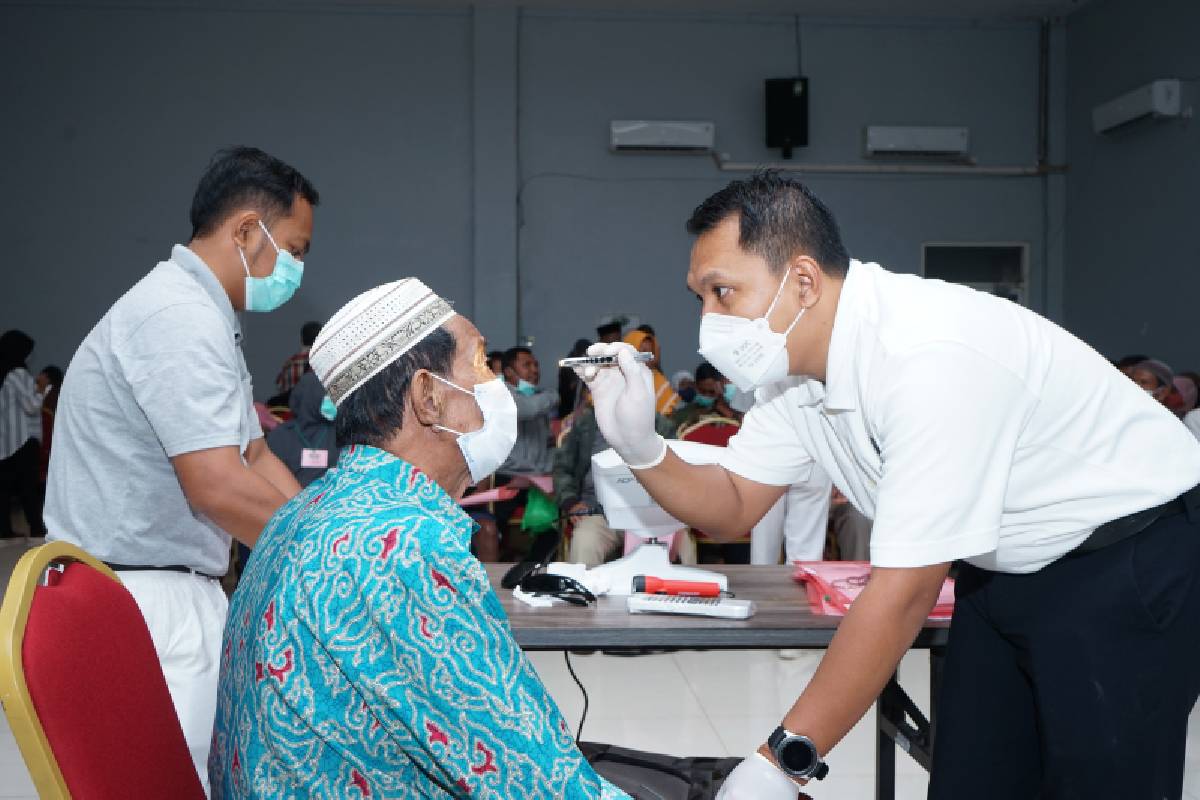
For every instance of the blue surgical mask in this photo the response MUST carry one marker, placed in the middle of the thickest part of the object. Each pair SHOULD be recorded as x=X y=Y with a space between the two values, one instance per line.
x=730 y=392
x=269 y=293
x=328 y=409
x=704 y=401
x=525 y=387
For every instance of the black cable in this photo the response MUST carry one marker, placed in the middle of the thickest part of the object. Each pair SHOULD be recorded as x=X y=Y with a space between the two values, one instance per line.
x=583 y=691
x=799 y=63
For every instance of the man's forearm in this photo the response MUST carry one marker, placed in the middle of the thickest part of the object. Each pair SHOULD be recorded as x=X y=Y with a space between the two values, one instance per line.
x=244 y=507
x=879 y=628
x=275 y=472
x=707 y=496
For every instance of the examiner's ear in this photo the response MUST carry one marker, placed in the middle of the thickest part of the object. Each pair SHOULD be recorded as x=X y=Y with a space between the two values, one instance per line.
x=425 y=398
x=809 y=280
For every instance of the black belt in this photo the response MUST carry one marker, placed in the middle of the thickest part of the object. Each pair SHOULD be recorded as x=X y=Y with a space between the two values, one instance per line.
x=168 y=568
x=1132 y=524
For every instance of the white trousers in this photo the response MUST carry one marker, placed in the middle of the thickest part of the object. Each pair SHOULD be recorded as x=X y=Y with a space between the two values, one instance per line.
x=186 y=617
x=797 y=522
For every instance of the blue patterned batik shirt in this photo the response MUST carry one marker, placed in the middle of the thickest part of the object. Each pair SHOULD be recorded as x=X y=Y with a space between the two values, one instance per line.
x=366 y=656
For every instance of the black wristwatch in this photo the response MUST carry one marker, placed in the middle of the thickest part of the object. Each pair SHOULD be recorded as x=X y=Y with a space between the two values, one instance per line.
x=797 y=755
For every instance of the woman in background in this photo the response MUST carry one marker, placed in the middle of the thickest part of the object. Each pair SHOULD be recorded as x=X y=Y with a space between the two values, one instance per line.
x=665 y=399
x=20 y=434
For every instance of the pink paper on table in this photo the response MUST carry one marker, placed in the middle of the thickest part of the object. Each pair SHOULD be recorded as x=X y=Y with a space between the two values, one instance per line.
x=833 y=586
x=543 y=482
x=490 y=496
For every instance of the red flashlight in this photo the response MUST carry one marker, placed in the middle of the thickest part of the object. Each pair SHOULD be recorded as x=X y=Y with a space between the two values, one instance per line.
x=651 y=585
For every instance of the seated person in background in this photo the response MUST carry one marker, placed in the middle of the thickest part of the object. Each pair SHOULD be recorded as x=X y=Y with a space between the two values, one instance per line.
x=295 y=366
x=1155 y=378
x=665 y=399
x=531 y=454
x=1187 y=385
x=305 y=443
x=366 y=654
x=592 y=541
x=496 y=361
x=47 y=383
x=570 y=388
x=713 y=397
x=608 y=332
x=1127 y=363
x=684 y=385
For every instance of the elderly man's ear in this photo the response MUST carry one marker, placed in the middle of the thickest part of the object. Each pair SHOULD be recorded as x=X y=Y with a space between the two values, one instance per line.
x=426 y=398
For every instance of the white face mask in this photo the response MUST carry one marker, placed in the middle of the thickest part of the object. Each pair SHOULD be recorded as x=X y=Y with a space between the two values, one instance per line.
x=747 y=351
x=486 y=449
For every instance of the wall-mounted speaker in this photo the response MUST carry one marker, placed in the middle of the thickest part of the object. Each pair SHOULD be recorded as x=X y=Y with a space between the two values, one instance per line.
x=787 y=113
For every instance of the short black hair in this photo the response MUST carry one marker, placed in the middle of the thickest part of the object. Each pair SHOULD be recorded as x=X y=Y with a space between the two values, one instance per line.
x=779 y=218
x=239 y=176
x=1130 y=361
x=646 y=329
x=706 y=371
x=373 y=412
x=510 y=356
x=53 y=373
x=309 y=333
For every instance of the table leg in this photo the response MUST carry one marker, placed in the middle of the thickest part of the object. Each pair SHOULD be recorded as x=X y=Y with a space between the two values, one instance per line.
x=899 y=723
x=885 y=751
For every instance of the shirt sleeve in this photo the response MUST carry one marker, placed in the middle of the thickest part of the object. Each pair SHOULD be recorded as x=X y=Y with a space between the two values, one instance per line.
x=767 y=448
x=181 y=367
x=534 y=405
x=947 y=427
x=453 y=683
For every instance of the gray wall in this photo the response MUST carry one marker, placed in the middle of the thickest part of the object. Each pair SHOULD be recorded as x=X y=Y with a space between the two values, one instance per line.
x=472 y=152
x=1132 y=268
x=111 y=115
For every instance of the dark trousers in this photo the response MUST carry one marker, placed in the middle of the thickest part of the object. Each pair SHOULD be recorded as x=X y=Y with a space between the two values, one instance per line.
x=1075 y=681
x=19 y=476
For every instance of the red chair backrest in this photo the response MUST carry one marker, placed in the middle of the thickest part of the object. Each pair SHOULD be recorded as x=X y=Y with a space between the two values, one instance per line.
x=100 y=695
x=714 y=433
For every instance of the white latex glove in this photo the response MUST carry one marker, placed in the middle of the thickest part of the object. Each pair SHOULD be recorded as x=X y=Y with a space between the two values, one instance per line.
x=623 y=397
x=756 y=778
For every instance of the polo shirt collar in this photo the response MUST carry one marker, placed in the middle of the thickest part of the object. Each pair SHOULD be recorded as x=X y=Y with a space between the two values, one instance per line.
x=194 y=265
x=841 y=393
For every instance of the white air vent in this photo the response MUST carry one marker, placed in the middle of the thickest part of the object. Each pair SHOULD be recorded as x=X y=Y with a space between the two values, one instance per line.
x=898 y=140
x=640 y=134
x=1162 y=98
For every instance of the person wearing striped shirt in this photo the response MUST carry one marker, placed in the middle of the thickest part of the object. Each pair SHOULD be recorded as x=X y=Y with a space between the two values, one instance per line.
x=20 y=434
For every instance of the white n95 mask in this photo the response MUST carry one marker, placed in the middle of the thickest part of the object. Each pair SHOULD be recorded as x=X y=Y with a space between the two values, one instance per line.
x=486 y=449
x=747 y=351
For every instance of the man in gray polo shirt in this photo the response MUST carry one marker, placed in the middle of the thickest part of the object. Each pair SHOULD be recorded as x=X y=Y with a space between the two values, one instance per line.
x=158 y=455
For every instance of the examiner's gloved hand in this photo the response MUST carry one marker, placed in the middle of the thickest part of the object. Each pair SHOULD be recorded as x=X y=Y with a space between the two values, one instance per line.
x=623 y=397
x=756 y=778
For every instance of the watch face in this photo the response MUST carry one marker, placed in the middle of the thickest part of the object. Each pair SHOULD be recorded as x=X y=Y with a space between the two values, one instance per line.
x=796 y=756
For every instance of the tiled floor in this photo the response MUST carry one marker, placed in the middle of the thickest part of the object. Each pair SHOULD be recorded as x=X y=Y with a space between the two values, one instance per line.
x=688 y=703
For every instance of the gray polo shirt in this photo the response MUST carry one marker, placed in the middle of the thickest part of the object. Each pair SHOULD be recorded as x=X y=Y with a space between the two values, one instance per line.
x=160 y=375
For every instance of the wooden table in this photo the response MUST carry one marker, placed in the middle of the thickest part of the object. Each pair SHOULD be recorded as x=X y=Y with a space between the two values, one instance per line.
x=783 y=620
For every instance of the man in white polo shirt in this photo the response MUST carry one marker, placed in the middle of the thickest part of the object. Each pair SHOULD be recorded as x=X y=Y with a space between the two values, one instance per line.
x=970 y=429
x=158 y=454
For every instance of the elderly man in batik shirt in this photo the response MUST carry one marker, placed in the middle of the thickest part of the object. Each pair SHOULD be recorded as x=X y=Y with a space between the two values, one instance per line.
x=366 y=654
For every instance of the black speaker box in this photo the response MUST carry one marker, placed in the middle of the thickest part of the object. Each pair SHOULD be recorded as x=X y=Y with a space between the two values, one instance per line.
x=787 y=113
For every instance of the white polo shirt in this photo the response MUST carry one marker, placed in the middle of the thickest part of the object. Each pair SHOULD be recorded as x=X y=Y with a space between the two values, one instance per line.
x=967 y=427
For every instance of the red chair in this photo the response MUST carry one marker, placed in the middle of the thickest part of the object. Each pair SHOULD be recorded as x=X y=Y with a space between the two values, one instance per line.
x=715 y=431
x=82 y=687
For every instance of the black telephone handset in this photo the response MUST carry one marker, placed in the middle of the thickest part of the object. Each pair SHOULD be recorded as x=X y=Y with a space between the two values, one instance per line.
x=540 y=553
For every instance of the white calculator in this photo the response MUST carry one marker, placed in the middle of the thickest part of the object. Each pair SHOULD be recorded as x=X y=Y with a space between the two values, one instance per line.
x=723 y=607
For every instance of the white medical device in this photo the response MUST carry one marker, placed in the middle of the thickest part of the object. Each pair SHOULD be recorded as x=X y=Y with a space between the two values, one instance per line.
x=628 y=507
